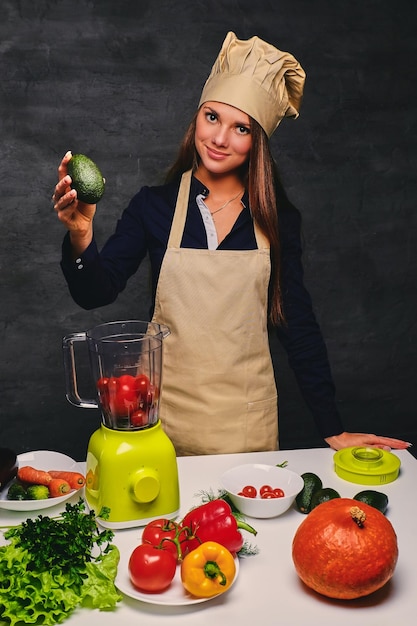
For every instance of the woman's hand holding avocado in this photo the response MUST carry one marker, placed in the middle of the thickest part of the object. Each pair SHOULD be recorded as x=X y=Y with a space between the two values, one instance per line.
x=77 y=216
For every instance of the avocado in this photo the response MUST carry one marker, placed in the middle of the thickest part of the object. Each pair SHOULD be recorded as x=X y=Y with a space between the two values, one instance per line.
x=312 y=483
x=323 y=495
x=87 y=179
x=377 y=499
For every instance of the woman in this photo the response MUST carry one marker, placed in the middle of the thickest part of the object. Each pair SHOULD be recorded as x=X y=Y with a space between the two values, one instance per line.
x=225 y=252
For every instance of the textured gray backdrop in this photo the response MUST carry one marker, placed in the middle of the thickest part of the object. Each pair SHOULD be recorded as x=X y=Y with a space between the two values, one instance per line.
x=119 y=82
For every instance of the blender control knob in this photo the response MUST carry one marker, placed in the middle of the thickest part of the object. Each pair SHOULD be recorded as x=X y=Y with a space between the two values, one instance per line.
x=145 y=485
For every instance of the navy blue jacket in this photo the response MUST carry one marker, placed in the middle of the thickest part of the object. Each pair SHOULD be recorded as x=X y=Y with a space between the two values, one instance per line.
x=96 y=279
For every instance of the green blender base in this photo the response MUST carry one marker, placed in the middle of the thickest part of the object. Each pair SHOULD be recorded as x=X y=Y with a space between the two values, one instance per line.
x=133 y=475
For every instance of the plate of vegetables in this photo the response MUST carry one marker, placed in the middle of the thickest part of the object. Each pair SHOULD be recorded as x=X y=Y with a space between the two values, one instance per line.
x=44 y=479
x=173 y=595
x=185 y=562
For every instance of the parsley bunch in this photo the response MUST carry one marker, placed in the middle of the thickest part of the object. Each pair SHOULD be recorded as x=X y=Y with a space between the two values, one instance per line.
x=66 y=542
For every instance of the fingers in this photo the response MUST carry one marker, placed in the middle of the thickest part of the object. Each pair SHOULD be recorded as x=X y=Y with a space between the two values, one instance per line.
x=346 y=439
x=386 y=443
x=63 y=195
x=62 y=169
x=389 y=442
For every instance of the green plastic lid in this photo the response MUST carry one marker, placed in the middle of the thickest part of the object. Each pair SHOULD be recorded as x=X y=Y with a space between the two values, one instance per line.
x=366 y=466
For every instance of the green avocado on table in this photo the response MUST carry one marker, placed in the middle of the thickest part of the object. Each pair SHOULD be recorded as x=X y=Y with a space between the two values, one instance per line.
x=312 y=483
x=377 y=499
x=323 y=495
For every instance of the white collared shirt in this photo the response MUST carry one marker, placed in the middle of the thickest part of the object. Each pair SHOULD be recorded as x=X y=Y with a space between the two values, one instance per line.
x=212 y=242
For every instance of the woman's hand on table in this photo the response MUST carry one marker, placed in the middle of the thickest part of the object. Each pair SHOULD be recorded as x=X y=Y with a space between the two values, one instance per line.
x=346 y=440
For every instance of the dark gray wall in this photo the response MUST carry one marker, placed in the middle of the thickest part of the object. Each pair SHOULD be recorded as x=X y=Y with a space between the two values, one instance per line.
x=119 y=81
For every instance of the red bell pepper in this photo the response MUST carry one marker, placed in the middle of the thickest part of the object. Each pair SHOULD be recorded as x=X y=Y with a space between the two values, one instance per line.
x=214 y=521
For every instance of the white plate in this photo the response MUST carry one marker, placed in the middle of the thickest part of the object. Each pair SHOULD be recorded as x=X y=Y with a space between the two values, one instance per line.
x=175 y=595
x=42 y=460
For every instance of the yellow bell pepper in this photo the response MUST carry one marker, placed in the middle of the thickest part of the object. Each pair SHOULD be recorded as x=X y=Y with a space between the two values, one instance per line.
x=208 y=570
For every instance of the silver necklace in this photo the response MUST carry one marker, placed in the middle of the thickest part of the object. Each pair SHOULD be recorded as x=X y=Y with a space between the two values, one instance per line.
x=226 y=203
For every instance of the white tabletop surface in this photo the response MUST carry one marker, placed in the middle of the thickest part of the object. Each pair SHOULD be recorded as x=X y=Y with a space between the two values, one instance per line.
x=267 y=591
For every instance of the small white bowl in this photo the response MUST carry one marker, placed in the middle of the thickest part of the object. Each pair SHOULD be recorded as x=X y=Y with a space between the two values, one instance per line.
x=257 y=475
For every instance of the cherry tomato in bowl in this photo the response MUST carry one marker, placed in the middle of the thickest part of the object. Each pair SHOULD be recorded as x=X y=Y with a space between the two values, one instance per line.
x=260 y=475
x=268 y=495
x=249 y=491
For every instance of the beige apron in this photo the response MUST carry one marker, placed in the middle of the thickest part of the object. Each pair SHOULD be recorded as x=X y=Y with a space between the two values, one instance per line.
x=218 y=387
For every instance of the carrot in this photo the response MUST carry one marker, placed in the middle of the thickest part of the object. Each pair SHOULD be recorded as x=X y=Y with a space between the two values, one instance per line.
x=58 y=487
x=28 y=474
x=75 y=479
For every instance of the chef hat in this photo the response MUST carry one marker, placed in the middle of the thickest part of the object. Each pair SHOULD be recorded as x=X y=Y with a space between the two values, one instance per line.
x=256 y=78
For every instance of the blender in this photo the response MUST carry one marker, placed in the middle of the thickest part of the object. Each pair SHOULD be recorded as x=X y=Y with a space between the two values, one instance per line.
x=131 y=469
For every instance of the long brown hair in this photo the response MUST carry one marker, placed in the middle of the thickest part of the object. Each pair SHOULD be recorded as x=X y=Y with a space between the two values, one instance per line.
x=260 y=175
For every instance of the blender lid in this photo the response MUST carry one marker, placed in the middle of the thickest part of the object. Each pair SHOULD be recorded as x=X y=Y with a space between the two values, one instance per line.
x=367 y=466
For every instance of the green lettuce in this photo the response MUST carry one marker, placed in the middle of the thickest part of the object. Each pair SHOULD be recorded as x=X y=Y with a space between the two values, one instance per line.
x=49 y=597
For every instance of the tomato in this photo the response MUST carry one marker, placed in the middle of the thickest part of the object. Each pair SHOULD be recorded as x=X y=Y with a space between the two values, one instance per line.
x=163 y=533
x=152 y=569
x=266 y=492
x=127 y=385
x=139 y=418
x=126 y=394
x=268 y=495
x=143 y=385
x=115 y=404
x=102 y=384
x=103 y=392
x=125 y=397
x=249 y=491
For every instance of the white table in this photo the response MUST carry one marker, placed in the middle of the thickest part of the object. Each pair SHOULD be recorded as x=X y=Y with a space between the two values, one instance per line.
x=268 y=591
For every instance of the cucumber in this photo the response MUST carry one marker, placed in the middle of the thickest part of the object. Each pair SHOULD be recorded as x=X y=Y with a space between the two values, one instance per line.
x=323 y=495
x=312 y=483
x=16 y=491
x=377 y=499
